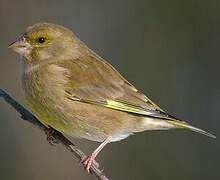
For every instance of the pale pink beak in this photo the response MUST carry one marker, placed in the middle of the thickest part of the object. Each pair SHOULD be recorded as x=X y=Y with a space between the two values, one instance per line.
x=21 y=46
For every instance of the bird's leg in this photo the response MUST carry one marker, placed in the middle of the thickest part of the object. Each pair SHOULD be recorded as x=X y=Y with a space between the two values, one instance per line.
x=49 y=133
x=89 y=160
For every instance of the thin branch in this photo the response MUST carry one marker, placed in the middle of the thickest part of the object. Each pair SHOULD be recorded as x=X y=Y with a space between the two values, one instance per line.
x=59 y=137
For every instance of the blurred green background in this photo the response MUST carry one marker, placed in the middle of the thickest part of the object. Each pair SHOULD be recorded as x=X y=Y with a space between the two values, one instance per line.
x=168 y=49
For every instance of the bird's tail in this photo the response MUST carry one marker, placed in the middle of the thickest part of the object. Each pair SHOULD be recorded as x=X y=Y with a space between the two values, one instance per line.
x=182 y=124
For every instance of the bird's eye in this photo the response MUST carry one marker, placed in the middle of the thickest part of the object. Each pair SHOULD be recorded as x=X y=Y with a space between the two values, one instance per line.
x=41 y=39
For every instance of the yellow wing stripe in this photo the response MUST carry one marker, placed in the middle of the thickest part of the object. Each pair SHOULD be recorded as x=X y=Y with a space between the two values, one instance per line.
x=127 y=108
x=121 y=106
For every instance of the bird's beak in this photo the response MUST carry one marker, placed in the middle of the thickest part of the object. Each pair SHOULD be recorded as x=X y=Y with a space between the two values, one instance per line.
x=19 y=42
x=21 y=46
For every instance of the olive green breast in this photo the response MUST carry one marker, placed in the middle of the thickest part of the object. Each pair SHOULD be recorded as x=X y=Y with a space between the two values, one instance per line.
x=44 y=92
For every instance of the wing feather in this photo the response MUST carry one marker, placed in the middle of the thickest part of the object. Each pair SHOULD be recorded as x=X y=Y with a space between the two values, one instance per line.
x=94 y=81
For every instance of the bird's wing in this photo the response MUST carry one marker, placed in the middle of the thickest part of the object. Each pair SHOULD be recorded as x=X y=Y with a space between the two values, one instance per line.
x=94 y=81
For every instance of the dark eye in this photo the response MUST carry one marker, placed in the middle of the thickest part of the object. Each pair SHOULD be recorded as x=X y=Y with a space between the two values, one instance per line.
x=41 y=39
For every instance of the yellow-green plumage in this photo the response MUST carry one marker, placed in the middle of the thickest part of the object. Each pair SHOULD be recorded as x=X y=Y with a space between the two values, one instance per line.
x=75 y=91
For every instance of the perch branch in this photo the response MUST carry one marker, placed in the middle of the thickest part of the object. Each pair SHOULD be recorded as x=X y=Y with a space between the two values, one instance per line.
x=59 y=137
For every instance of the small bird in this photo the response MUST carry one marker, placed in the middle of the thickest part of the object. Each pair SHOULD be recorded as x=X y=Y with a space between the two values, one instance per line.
x=73 y=90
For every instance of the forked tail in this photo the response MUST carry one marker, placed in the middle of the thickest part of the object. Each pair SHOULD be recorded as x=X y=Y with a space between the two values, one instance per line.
x=182 y=124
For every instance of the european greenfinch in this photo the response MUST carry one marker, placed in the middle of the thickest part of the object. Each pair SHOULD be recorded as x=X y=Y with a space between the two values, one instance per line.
x=73 y=90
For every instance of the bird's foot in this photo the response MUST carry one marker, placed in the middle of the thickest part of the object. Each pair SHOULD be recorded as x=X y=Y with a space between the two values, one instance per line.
x=50 y=138
x=88 y=161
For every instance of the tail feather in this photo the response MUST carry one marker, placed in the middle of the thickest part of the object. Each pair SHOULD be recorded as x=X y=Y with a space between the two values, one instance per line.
x=182 y=124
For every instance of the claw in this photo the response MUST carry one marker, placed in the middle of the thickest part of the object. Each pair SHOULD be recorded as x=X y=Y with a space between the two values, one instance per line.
x=49 y=133
x=88 y=161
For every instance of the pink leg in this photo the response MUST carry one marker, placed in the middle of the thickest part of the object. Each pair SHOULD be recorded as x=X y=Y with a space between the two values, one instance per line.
x=89 y=160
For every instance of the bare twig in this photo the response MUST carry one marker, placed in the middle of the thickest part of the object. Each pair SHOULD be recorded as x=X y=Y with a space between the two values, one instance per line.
x=29 y=117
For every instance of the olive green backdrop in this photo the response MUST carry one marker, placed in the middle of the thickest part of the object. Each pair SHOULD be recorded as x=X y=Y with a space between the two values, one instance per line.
x=168 y=49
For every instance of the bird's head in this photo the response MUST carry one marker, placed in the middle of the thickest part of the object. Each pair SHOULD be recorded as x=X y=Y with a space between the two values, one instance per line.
x=44 y=41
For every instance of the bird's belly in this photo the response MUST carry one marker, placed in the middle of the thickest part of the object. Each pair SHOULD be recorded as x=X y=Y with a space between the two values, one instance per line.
x=81 y=120
x=96 y=123
x=49 y=113
x=46 y=98
x=88 y=121
x=92 y=123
